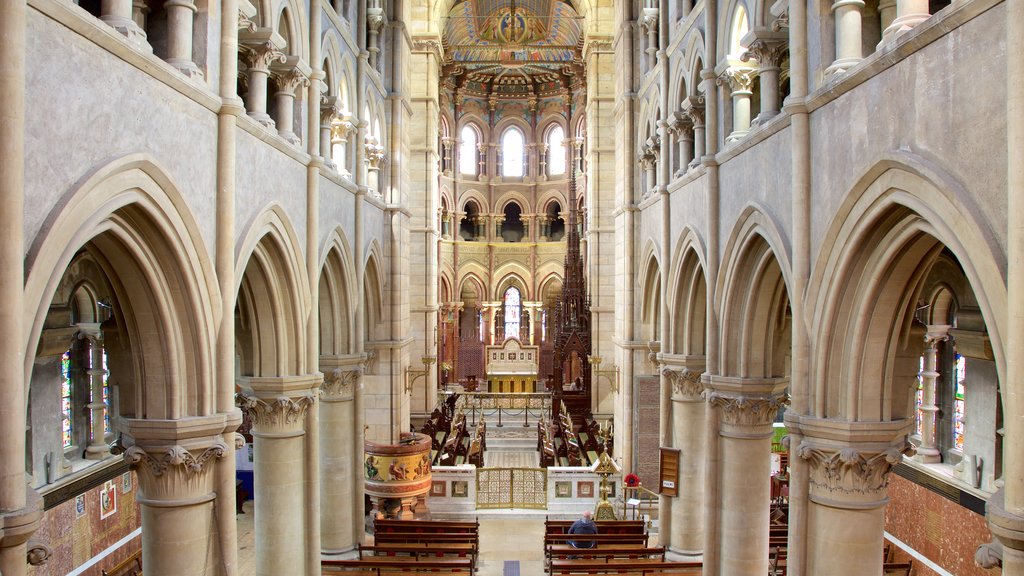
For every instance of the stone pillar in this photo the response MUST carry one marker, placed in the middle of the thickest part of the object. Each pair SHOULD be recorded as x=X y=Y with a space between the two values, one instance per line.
x=741 y=84
x=258 y=58
x=648 y=162
x=849 y=464
x=909 y=13
x=693 y=106
x=681 y=130
x=375 y=21
x=745 y=409
x=481 y=158
x=768 y=47
x=291 y=76
x=174 y=460
x=688 y=435
x=499 y=221
x=848 y=15
x=180 y=18
x=649 y=22
x=542 y=161
x=277 y=408
x=342 y=132
x=328 y=113
x=887 y=13
x=337 y=457
x=928 y=451
x=118 y=14
x=16 y=527
x=97 y=448
x=374 y=155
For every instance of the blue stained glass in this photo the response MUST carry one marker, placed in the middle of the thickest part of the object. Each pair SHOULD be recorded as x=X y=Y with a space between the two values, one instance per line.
x=960 y=374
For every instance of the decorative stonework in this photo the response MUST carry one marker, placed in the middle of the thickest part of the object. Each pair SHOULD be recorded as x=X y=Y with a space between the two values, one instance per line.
x=848 y=476
x=38 y=553
x=768 y=53
x=339 y=385
x=686 y=383
x=280 y=412
x=291 y=80
x=747 y=410
x=259 y=57
x=174 y=457
x=738 y=79
x=239 y=441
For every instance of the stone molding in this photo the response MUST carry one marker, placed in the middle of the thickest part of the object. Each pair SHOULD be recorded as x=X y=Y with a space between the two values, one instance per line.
x=277 y=414
x=747 y=410
x=38 y=553
x=339 y=385
x=850 y=476
x=1005 y=525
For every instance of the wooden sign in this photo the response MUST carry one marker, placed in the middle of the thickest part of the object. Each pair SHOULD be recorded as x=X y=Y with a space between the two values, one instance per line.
x=668 y=481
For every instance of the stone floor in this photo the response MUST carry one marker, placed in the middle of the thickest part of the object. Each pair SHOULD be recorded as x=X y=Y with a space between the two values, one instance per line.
x=504 y=536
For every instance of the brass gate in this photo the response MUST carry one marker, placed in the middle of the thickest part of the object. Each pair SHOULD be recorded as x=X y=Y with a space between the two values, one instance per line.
x=512 y=488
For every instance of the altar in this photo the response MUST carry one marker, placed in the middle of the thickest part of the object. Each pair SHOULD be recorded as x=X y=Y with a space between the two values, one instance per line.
x=512 y=367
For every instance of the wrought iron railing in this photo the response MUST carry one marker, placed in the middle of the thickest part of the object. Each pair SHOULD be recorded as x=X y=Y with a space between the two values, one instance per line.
x=508 y=408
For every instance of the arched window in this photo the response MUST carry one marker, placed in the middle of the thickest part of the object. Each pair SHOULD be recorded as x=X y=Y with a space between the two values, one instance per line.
x=556 y=151
x=467 y=151
x=512 y=312
x=919 y=398
x=66 y=400
x=738 y=30
x=512 y=152
x=959 y=392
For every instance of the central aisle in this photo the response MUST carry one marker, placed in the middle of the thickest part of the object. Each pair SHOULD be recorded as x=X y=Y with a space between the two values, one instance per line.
x=511 y=538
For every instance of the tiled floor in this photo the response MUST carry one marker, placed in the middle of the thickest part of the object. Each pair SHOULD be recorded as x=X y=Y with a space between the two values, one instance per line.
x=509 y=536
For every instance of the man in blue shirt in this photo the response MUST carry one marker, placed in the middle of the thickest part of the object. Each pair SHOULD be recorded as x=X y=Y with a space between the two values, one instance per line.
x=584 y=525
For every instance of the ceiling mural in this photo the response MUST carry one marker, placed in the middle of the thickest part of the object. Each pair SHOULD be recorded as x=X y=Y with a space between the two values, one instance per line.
x=513 y=32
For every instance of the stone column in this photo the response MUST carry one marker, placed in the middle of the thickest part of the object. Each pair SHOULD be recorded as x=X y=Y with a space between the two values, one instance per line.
x=180 y=17
x=928 y=451
x=16 y=527
x=768 y=48
x=542 y=160
x=649 y=22
x=681 y=129
x=118 y=14
x=174 y=460
x=337 y=457
x=741 y=83
x=375 y=21
x=374 y=155
x=292 y=75
x=909 y=13
x=277 y=408
x=648 y=162
x=693 y=106
x=481 y=158
x=97 y=448
x=499 y=221
x=745 y=409
x=328 y=113
x=258 y=58
x=688 y=435
x=849 y=464
x=342 y=133
x=887 y=13
x=848 y=15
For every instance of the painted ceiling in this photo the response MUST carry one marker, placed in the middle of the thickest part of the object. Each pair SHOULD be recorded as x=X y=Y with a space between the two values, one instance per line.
x=512 y=33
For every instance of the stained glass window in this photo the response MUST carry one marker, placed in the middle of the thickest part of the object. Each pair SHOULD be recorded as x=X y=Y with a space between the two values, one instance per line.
x=106 y=395
x=467 y=151
x=512 y=313
x=919 y=398
x=65 y=398
x=512 y=153
x=959 y=375
x=556 y=151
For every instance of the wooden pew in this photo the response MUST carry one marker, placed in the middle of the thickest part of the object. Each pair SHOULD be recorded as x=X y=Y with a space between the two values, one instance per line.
x=599 y=539
x=603 y=526
x=897 y=568
x=130 y=566
x=387 y=565
x=425 y=526
x=566 y=552
x=638 y=567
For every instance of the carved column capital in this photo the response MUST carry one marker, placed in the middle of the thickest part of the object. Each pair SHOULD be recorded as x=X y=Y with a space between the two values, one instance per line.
x=290 y=79
x=737 y=79
x=747 y=410
x=275 y=414
x=175 y=474
x=259 y=57
x=687 y=385
x=339 y=385
x=693 y=108
x=173 y=460
x=850 y=475
x=768 y=52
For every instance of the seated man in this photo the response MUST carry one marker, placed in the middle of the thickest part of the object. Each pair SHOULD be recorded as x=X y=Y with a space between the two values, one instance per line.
x=584 y=525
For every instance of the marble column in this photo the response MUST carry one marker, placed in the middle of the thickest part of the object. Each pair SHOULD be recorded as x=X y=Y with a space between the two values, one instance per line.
x=768 y=48
x=744 y=409
x=693 y=107
x=909 y=13
x=277 y=408
x=258 y=58
x=174 y=460
x=118 y=14
x=291 y=76
x=741 y=84
x=337 y=459
x=180 y=24
x=97 y=448
x=848 y=18
x=328 y=113
x=849 y=464
x=928 y=451
x=688 y=435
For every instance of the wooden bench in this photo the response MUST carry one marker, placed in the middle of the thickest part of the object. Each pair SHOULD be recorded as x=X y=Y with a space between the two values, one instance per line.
x=560 y=552
x=418 y=550
x=599 y=539
x=897 y=568
x=381 y=565
x=130 y=566
x=603 y=526
x=425 y=526
x=637 y=567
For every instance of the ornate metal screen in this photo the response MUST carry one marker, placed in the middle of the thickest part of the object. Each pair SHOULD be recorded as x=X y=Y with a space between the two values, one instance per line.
x=512 y=488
